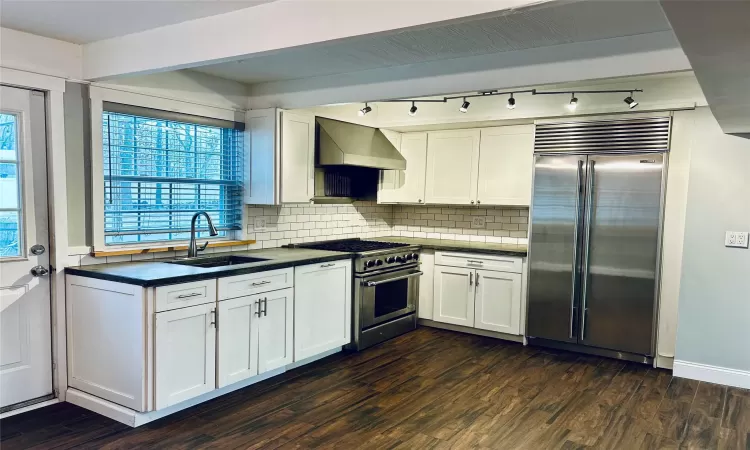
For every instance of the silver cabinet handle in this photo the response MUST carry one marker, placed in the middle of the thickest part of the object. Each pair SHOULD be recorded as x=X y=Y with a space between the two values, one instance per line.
x=471 y=278
x=258 y=310
x=261 y=283
x=194 y=294
x=214 y=318
x=328 y=265
x=477 y=284
x=39 y=271
x=472 y=202
x=579 y=192
x=586 y=245
x=474 y=261
x=478 y=202
x=265 y=306
x=402 y=277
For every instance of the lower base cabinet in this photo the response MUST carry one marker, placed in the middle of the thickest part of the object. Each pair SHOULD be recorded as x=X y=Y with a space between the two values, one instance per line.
x=322 y=307
x=497 y=303
x=454 y=295
x=185 y=347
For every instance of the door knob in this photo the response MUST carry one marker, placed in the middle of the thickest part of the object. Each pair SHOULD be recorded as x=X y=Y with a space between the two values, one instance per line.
x=37 y=249
x=39 y=271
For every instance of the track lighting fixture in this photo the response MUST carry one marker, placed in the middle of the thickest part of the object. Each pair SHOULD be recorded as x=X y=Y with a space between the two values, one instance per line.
x=413 y=109
x=630 y=101
x=511 y=102
x=364 y=110
x=573 y=104
x=464 y=106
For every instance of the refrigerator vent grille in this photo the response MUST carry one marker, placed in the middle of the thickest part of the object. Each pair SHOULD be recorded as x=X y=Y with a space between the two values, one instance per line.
x=632 y=135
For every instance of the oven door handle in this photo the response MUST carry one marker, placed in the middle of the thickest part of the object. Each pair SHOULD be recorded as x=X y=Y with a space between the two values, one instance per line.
x=375 y=283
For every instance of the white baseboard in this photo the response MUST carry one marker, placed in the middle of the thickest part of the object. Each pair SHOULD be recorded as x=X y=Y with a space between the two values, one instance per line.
x=712 y=374
x=469 y=330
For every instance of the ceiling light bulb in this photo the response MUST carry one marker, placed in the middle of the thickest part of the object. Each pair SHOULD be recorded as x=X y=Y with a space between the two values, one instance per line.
x=631 y=103
x=464 y=106
x=511 y=102
x=573 y=103
x=413 y=109
x=364 y=110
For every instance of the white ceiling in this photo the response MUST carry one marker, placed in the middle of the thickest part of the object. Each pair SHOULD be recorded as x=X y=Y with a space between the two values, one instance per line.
x=552 y=24
x=85 y=21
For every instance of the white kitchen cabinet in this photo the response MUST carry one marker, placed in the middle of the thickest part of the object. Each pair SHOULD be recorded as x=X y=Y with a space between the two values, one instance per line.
x=279 y=164
x=276 y=330
x=426 y=284
x=454 y=295
x=452 y=167
x=322 y=307
x=238 y=340
x=506 y=157
x=406 y=186
x=497 y=303
x=185 y=348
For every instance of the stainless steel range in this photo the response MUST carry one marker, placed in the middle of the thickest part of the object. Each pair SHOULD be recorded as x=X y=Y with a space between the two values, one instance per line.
x=386 y=288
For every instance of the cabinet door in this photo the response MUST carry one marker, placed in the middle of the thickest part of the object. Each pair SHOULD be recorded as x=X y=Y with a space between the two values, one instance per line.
x=426 y=284
x=498 y=301
x=452 y=167
x=297 y=157
x=322 y=307
x=454 y=296
x=506 y=160
x=275 y=330
x=185 y=354
x=238 y=340
x=406 y=186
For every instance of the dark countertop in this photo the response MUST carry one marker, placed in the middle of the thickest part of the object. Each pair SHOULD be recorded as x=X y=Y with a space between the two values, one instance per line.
x=460 y=246
x=159 y=273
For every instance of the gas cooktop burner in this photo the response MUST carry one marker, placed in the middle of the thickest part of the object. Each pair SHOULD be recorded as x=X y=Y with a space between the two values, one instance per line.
x=352 y=246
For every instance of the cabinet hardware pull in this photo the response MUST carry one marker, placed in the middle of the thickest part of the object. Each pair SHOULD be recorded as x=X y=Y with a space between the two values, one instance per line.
x=214 y=318
x=474 y=261
x=471 y=278
x=194 y=294
x=477 y=284
x=328 y=265
x=472 y=202
x=261 y=283
x=265 y=307
x=258 y=311
x=478 y=202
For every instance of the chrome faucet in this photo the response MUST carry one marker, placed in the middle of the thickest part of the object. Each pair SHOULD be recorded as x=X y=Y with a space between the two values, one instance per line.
x=193 y=247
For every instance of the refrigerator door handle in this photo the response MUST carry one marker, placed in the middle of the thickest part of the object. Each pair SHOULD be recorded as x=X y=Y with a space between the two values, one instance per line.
x=586 y=242
x=579 y=193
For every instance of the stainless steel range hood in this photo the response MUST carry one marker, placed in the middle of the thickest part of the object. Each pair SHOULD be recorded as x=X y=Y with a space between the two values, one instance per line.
x=348 y=144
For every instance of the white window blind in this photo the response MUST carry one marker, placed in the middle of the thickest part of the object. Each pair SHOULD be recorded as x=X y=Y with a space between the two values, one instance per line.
x=159 y=171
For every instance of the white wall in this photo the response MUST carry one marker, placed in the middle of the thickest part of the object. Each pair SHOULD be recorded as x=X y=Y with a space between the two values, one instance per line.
x=32 y=53
x=714 y=308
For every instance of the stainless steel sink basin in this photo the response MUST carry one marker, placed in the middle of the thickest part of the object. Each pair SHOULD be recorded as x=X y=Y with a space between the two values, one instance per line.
x=216 y=261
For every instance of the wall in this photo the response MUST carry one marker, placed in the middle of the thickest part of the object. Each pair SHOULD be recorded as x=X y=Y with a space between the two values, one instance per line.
x=32 y=53
x=78 y=163
x=714 y=305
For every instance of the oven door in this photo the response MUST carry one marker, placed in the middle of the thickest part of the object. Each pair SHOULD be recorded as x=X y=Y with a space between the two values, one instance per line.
x=386 y=296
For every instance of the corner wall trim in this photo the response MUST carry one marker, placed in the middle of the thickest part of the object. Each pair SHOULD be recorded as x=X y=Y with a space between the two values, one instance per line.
x=712 y=374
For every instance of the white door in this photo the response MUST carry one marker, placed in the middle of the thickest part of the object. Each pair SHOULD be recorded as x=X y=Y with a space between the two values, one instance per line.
x=322 y=307
x=452 y=167
x=498 y=301
x=407 y=186
x=506 y=160
x=237 y=340
x=185 y=354
x=297 y=157
x=25 y=331
x=276 y=330
x=454 y=296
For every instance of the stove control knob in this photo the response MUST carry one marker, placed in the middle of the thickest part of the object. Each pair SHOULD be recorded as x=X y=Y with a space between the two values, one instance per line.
x=378 y=262
x=409 y=256
x=390 y=260
x=400 y=259
x=370 y=263
x=415 y=256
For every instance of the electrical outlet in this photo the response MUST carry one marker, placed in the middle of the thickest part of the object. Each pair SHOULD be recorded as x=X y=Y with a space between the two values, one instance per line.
x=737 y=239
x=477 y=222
x=260 y=224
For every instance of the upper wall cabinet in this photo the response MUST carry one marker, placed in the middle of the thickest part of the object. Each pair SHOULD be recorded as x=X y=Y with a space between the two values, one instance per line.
x=279 y=164
x=452 y=167
x=405 y=186
x=506 y=157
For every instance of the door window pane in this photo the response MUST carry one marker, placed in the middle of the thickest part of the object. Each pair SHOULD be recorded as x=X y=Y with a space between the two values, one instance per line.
x=9 y=234
x=8 y=137
x=8 y=186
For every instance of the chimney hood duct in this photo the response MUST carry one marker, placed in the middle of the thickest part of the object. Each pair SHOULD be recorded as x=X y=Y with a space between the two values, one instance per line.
x=348 y=144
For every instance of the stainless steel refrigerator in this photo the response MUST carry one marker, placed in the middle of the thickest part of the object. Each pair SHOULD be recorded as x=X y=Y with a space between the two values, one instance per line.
x=595 y=236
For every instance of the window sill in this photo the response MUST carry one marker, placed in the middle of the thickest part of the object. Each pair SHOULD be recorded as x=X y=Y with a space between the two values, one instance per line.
x=141 y=251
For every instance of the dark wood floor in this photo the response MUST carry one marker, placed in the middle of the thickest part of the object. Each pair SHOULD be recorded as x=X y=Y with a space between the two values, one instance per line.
x=430 y=389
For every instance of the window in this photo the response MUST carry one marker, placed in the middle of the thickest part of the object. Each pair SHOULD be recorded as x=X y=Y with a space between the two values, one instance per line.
x=159 y=170
x=10 y=198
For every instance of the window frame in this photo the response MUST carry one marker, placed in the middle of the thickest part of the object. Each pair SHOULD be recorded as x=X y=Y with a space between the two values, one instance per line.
x=99 y=95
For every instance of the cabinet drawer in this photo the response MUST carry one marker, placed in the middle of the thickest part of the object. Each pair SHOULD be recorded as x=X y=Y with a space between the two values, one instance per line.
x=185 y=294
x=255 y=283
x=513 y=264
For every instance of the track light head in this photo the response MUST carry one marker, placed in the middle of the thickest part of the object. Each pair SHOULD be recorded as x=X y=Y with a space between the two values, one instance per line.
x=464 y=106
x=573 y=104
x=630 y=101
x=413 y=109
x=511 y=102
x=364 y=110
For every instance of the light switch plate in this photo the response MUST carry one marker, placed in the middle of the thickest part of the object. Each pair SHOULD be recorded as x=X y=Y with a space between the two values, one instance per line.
x=738 y=239
x=477 y=222
x=260 y=224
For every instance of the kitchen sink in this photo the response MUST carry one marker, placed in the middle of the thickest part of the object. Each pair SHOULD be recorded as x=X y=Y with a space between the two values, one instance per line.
x=216 y=261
